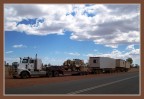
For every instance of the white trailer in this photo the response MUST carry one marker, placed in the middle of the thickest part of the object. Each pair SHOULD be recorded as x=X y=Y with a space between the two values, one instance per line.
x=121 y=65
x=127 y=66
x=102 y=64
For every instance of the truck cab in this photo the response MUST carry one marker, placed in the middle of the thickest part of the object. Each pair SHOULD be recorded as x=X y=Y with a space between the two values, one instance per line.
x=31 y=64
x=27 y=67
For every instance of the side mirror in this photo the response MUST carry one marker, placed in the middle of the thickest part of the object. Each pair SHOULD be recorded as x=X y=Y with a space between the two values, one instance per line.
x=20 y=59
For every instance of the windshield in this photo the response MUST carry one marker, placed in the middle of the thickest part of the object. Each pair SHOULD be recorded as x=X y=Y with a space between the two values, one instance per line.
x=31 y=61
x=25 y=61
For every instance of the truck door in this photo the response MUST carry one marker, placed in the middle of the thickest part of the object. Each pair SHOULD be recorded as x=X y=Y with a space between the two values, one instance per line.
x=31 y=65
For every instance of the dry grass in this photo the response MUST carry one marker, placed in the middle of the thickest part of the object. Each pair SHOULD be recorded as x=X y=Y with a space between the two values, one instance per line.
x=8 y=71
x=134 y=69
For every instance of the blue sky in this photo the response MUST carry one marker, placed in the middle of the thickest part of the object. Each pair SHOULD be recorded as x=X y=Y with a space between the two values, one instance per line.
x=72 y=31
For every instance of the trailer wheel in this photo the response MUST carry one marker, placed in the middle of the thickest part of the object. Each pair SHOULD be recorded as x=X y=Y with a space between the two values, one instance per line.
x=86 y=73
x=55 y=73
x=49 y=74
x=14 y=77
x=80 y=73
x=24 y=75
x=94 y=71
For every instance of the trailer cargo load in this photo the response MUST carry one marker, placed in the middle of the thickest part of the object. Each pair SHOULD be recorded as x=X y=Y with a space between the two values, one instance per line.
x=120 y=65
x=99 y=64
x=75 y=67
x=127 y=64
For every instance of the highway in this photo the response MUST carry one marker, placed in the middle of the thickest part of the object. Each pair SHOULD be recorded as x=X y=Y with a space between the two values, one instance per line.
x=117 y=84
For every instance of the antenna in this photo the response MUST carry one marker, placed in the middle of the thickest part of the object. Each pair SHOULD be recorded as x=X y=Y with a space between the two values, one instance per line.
x=36 y=63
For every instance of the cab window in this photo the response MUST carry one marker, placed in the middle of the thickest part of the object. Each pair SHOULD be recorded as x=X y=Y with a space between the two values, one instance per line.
x=31 y=61
x=25 y=61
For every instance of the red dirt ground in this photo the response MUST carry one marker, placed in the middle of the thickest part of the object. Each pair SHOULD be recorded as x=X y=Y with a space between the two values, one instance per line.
x=11 y=83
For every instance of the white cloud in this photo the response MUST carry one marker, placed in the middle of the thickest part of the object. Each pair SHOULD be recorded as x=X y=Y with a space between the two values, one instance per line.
x=111 y=45
x=74 y=54
x=107 y=24
x=95 y=50
x=90 y=55
x=130 y=47
x=8 y=52
x=53 y=61
x=19 y=46
x=10 y=60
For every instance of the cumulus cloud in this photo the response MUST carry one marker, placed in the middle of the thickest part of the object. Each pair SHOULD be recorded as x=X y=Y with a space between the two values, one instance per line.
x=107 y=24
x=130 y=47
x=19 y=46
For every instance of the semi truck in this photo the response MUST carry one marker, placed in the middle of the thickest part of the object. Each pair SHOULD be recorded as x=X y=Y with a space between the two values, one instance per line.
x=29 y=67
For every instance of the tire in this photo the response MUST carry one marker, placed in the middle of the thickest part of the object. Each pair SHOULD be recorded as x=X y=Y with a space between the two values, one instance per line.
x=86 y=73
x=55 y=73
x=24 y=75
x=14 y=77
x=49 y=74
x=81 y=73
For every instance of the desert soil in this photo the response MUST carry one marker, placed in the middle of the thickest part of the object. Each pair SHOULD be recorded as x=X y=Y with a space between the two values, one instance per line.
x=9 y=82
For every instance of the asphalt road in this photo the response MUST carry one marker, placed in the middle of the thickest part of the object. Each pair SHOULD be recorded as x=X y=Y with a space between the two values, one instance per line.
x=124 y=83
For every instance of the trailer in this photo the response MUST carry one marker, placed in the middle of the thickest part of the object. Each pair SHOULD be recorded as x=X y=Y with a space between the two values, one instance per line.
x=127 y=66
x=120 y=65
x=102 y=64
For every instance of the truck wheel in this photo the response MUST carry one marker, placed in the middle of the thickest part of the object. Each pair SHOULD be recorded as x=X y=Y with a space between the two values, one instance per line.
x=86 y=73
x=81 y=73
x=24 y=75
x=14 y=77
x=49 y=74
x=56 y=74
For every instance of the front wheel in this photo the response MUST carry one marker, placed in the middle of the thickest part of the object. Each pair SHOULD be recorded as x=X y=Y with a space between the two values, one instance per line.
x=49 y=74
x=24 y=75
x=56 y=74
x=14 y=77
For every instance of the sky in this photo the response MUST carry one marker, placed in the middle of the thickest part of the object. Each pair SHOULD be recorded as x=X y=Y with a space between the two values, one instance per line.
x=57 y=32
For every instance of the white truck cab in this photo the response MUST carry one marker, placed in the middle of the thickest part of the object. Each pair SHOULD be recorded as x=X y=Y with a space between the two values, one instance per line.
x=27 y=67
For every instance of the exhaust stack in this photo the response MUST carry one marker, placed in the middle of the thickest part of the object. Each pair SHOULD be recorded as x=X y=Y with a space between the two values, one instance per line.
x=35 y=63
